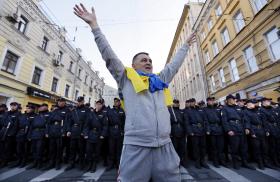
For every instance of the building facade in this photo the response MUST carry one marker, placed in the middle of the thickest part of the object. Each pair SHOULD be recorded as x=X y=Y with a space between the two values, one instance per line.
x=37 y=63
x=239 y=42
x=109 y=94
x=188 y=82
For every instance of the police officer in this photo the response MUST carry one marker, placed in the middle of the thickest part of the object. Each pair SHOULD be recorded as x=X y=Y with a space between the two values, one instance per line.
x=271 y=117
x=197 y=127
x=56 y=129
x=36 y=134
x=8 y=132
x=44 y=112
x=94 y=131
x=101 y=111
x=258 y=132
x=178 y=129
x=233 y=123
x=3 y=110
x=116 y=120
x=213 y=114
x=75 y=127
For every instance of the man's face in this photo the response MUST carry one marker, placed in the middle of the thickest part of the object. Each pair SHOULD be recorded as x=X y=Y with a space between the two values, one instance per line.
x=266 y=103
x=117 y=103
x=231 y=101
x=80 y=103
x=240 y=103
x=187 y=104
x=143 y=63
x=98 y=106
x=28 y=110
x=61 y=103
x=210 y=102
x=176 y=104
x=250 y=105
x=13 y=107
x=193 y=104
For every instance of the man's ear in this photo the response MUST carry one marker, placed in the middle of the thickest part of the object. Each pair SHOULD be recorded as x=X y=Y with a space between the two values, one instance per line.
x=133 y=65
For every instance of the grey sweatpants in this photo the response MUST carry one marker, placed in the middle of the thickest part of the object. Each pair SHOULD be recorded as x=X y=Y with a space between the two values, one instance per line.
x=140 y=164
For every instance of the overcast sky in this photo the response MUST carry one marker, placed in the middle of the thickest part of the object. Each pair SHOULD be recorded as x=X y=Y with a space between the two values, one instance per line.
x=130 y=26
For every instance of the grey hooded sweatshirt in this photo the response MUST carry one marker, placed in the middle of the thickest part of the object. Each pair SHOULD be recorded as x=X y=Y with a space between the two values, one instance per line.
x=147 y=118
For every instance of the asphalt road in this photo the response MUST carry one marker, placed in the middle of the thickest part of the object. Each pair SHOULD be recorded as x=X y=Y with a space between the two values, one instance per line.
x=190 y=174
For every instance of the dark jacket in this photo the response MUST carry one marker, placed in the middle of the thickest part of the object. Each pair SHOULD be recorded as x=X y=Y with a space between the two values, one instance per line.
x=116 y=120
x=178 y=123
x=10 y=123
x=213 y=115
x=38 y=127
x=272 y=118
x=254 y=121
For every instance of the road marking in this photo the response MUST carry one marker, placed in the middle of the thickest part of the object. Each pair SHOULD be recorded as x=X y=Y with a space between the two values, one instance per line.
x=270 y=172
x=50 y=174
x=96 y=175
x=11 y=173
x=229 y=174
x=185 y=174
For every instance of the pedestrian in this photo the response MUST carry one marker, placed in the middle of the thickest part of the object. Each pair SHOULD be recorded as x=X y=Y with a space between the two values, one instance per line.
x=94 y=131
x=8 y=133
x=178 y=130
x=36 y=134
x=116 y=121
x=56 y=133
x=197 y=126
x=213 y=115
x=233 y=124
x=147 y=151
x=75 y=127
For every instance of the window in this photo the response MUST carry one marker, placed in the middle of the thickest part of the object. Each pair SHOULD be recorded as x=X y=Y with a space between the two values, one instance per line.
x=219 y=10
x=239 y=21
x=259 y=4
x=59 y=57
x=91 y=82
x=215 y=48
x=250 y=59
x=86 y=77
x=37 y=75
x=76 y=94
x=54 y=84
x=206 y=57
x=222 y=77
x=210 y=24
x=67 y=88
x=203 y=35
x=22 y=24
x=225 y=36
x=213 y=84
x=89 y=100
x=273 y=43
x=45 y=43
x=10 y=62
x=79 y=72
x=234 y=70
x=70 y=66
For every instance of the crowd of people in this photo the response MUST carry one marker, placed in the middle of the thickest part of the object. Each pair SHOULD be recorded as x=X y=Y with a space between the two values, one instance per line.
x=79 y=136
x=240 y=131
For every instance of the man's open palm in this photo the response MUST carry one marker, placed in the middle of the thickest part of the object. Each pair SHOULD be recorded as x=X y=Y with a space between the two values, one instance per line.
x=88 y=17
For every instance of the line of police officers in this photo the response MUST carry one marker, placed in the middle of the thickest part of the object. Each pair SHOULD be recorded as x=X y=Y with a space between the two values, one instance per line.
x=73 y=135
x=248 y=130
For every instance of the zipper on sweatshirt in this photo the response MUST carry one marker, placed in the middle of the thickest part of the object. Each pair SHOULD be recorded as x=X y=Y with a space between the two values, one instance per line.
x=157 y=137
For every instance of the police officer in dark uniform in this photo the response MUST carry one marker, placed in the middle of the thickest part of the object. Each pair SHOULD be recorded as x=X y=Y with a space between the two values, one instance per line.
x=44 y=112
x=178 y=129
x=271 y=117
x=75 y=128
x=94 y=131
x=8 y=132
x=101 y=111
x=258 y=132
x=116 y=120
x=213 y=114
x=55 y=131
x=36 y=134
x=197 y=127
x=3 y=110
x=21 y=136
x=233 y=123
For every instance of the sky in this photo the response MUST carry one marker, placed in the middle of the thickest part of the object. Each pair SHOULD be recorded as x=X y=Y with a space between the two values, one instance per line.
x=131 y=26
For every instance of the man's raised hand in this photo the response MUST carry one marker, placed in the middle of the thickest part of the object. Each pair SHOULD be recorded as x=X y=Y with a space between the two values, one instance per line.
x=191 y=39
x=88 y=17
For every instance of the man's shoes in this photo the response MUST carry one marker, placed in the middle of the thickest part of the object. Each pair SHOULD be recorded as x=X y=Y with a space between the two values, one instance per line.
x=248 y=166
x=33 y=165
x=197 y=165
x=57 y=166
x=109 y=168
x=71 y=166
x=203 y=164
x=89 y=167
x=93 y=168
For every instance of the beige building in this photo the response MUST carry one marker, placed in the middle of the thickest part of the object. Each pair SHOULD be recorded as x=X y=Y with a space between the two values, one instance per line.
x=109 y=93
x=239 y=41
x=37 y=63
x=188 y=82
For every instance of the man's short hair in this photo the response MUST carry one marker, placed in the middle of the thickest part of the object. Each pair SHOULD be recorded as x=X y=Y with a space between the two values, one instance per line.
x=136 y=55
